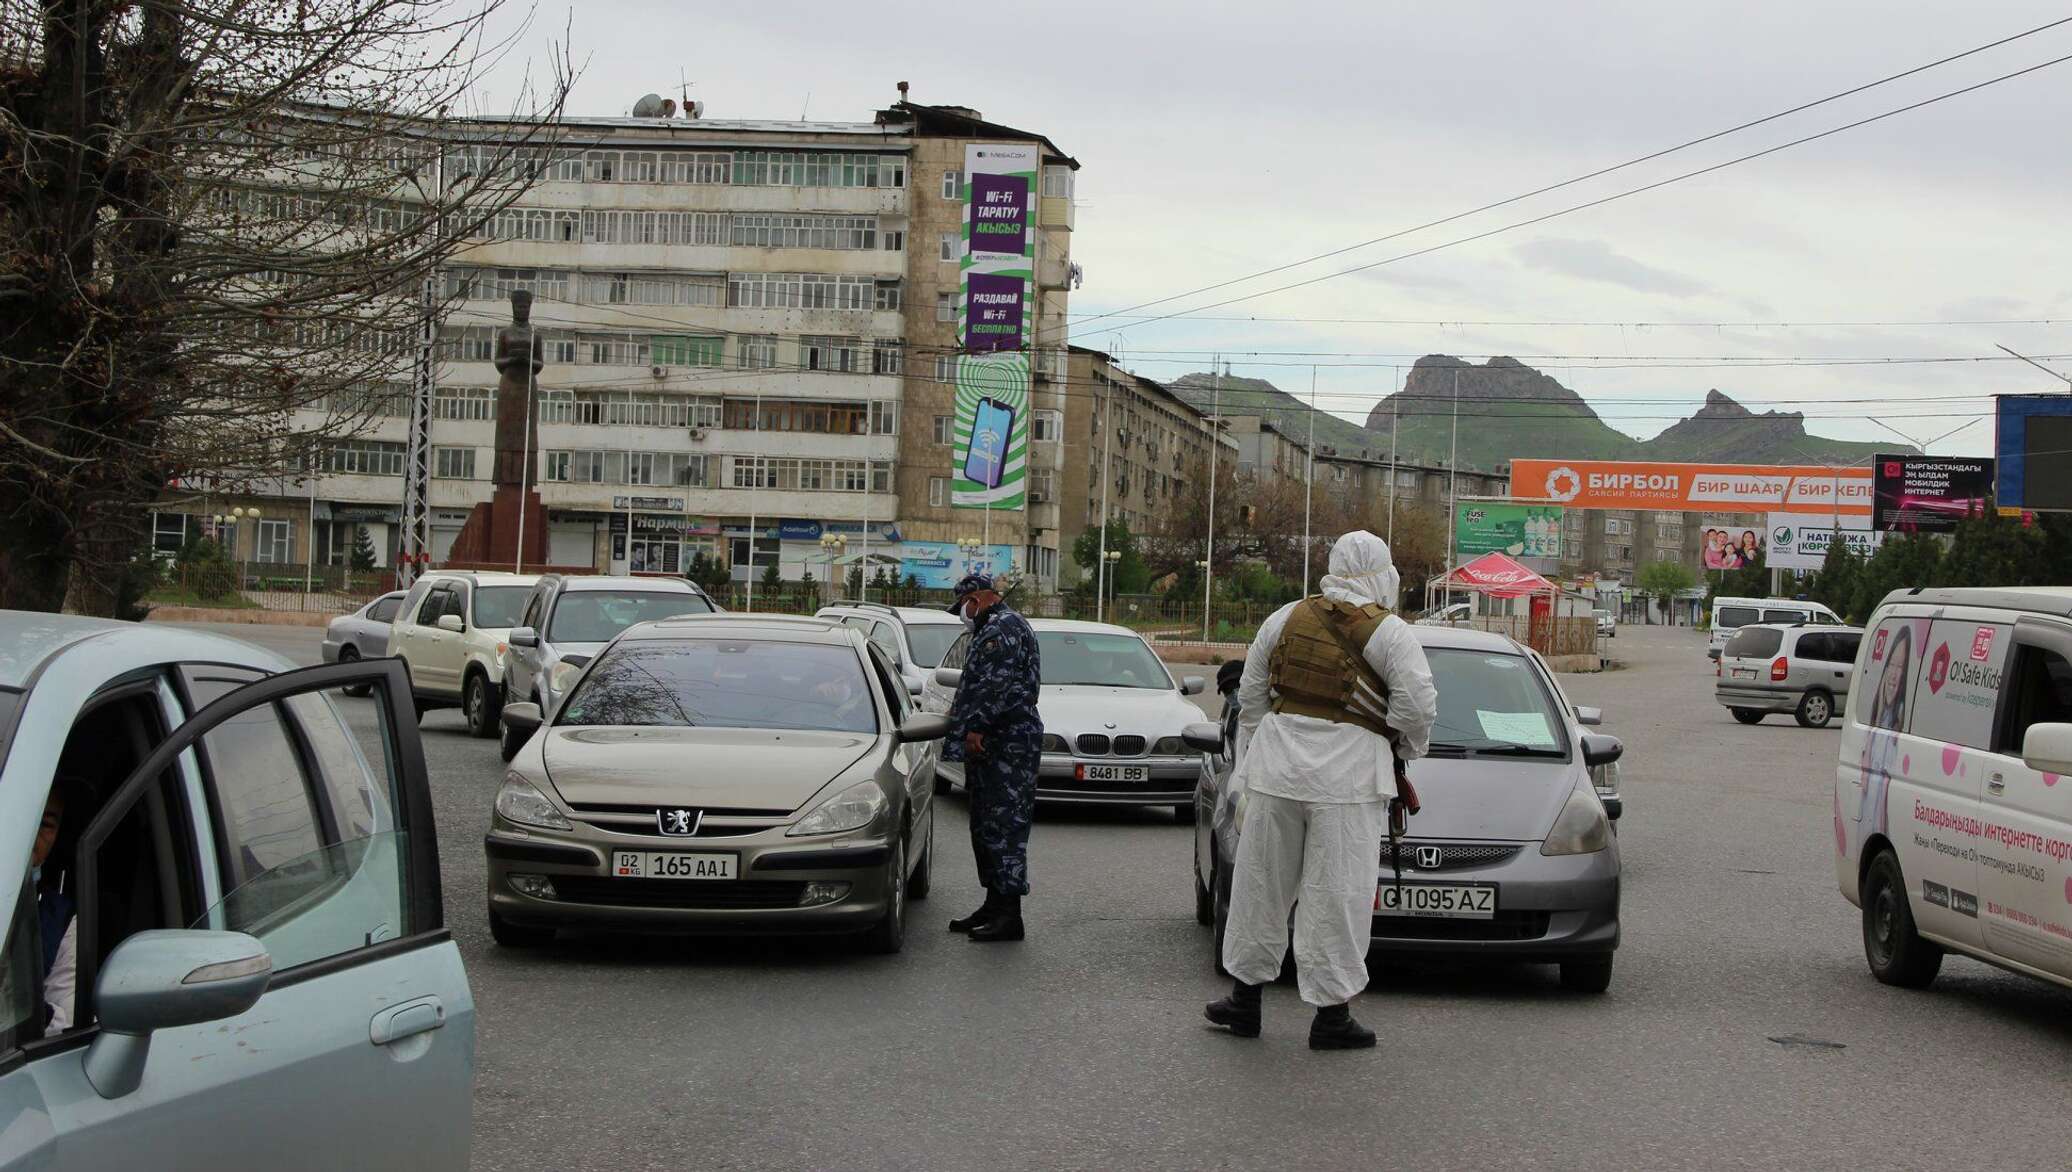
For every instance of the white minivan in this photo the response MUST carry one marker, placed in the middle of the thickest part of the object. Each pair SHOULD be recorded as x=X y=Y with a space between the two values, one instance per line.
x=1731 y=614
x=1953 y=793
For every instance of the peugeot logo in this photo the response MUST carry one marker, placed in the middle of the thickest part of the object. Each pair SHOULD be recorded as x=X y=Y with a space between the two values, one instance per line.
x=678 y=823
x=1428 y=858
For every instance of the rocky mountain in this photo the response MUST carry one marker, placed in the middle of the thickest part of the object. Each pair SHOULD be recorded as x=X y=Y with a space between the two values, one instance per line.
x=1509 y=410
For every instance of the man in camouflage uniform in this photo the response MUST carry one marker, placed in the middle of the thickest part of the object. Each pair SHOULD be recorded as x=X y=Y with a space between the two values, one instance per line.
x=996 y=731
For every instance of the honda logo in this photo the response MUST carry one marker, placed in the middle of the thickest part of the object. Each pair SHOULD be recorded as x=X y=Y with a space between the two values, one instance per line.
x=678 y=823
x=1428 y=858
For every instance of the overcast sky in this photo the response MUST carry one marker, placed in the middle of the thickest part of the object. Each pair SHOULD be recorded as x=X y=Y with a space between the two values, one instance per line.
x=1218 y=140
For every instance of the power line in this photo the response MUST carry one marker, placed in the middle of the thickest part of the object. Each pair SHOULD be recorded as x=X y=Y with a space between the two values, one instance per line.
x=1454 y=323
x=1603 y=171
x=1541 y=219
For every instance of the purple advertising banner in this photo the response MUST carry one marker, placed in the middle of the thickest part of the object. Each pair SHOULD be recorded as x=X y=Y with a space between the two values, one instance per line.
x=999 y=214
x=993 y=319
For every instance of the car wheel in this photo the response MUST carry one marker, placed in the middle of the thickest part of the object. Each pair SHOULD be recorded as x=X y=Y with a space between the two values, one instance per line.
x=889 y=933
x=1896 y=952
x=1587 y=976
x=1815 y=709
x=481 y=702
x=511 y=935
x=924 y=871
x=1204 y=903
x=351 y=654
x=1747 y=715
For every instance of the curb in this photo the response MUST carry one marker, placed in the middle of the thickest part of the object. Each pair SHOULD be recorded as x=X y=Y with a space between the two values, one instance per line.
x=254 y=615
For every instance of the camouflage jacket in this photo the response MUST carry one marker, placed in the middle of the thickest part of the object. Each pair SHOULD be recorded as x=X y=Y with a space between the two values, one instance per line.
x=997 y=696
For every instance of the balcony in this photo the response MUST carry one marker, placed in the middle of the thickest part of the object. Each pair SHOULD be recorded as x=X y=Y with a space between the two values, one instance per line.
x=1055 y=212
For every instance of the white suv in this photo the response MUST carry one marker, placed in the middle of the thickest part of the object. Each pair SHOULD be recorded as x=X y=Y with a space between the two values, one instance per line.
x=452 y=636
x=1953 y=794
x=913 y=637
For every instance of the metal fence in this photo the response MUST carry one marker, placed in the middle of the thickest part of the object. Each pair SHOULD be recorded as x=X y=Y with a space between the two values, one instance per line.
x=1548 y=636
x=271 y=586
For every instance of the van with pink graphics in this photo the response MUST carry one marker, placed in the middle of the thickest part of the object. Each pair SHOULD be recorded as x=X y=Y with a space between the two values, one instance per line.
x=1953 y=794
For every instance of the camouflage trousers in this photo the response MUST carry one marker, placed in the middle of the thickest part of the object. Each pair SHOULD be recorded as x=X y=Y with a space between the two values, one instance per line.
x=1003 y=808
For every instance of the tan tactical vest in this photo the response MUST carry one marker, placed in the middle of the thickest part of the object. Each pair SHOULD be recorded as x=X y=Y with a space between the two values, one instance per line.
x=1319 y=667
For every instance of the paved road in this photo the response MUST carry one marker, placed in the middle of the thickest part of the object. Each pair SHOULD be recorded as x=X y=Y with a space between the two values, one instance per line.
x=1084 y=1046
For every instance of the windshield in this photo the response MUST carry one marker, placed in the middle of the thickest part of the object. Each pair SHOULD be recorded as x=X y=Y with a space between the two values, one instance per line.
x=1733 y=616
x=932 y=641
x=597 y=616
x=1491 y=702
x=500 y=606
x=9 y=701
x=724 y=683
x=1116 y=661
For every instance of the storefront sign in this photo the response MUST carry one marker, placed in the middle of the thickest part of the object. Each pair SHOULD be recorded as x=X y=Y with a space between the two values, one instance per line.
x=1638 y=484
x=938 y=564
x=666 y=504
x=791 y=530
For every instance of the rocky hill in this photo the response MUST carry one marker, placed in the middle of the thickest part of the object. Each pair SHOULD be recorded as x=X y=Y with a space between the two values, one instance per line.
x=1509 y=410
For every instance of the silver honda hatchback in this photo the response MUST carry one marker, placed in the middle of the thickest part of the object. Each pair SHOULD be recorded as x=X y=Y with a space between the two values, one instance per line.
x=1514 y=856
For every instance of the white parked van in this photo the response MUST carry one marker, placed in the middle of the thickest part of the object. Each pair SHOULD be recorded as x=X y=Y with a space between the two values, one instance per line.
x=1731 y=614
x=1953 y=794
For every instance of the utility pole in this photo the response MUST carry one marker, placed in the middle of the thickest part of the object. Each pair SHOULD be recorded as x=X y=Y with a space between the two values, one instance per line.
x=2038 y=365
x=760 y=465
x=1393 y=400
x=1309 y=477
x=414 y=543
x=532 y=382
x=1107 y=474
x=1208 y=568
x=1452 y=479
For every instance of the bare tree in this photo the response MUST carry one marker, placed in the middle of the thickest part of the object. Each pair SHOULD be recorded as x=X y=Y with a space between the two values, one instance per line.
x=215 y=214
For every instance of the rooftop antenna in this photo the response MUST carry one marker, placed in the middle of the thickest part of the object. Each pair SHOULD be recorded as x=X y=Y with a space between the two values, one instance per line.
x=807 y=106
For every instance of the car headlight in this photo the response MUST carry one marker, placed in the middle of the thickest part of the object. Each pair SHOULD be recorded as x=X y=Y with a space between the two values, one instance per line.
x=1053 y=743
x=563 y=675
x=855 y=807
x=522 y=802
x=1581 y=827
x=1169 y=747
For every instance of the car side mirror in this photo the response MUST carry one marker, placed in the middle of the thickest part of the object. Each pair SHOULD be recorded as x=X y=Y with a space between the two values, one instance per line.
x=1204 y=735
x=1193 y=686
x=161 y=979
x=524 y=637
x=451 y=622
x=523 y=718
x=948 y=677
x=924 y=726
x=576 y=660
x=1599 y=749
x=2047 y=748
x=1585 y=715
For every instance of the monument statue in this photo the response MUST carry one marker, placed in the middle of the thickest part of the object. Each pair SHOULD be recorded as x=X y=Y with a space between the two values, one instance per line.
x=520 y=355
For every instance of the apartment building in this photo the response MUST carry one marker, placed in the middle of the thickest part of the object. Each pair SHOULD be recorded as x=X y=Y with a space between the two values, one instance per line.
x=1363 y=482
x=747 y=343
x=1127 y=445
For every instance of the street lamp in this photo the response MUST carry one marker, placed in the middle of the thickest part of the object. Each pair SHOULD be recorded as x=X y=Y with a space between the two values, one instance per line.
x=1203 y=566
x=971 y=546
x=833 y=544
x=1113 y=562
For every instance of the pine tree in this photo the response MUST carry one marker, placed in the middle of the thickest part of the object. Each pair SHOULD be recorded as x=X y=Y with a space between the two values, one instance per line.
x=1841 y=572
x=363 y=550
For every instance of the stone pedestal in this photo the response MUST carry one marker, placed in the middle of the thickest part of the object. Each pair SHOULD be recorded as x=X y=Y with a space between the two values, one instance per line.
x=490 y=537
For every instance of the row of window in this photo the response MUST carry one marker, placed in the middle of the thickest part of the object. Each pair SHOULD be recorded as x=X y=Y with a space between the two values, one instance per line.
x=740 y=290
x=842 y=353
x=606 y=466
x=712 y=229
x=1042 y=487
x=1045 y=426
x=737 y=168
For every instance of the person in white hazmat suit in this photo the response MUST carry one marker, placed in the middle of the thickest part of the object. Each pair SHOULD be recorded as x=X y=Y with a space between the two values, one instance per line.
x=1330 y=682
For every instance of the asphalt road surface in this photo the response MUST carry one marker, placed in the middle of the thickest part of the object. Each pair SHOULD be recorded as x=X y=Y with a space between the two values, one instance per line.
x=1741 y=1028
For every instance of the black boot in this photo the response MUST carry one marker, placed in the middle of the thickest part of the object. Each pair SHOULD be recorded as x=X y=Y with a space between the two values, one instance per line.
x=1006 y=923
x=1335 y=1029
x=984 y=913
x=1239 y=1011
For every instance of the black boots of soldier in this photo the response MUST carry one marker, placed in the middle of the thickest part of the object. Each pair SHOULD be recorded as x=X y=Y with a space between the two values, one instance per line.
x=1005 y=923
x=1335 y=1029
x=998 y=919
x=1239 y=1011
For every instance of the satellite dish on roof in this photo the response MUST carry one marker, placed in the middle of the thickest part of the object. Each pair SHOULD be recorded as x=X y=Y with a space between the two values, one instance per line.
x=649 y=106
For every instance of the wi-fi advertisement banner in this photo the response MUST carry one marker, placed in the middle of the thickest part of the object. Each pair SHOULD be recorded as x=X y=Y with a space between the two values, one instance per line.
x=990 y=438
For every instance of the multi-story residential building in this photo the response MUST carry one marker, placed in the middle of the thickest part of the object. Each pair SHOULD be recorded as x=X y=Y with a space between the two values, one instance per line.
x=749 y=330
x=1129 y=446
x=1359 y=480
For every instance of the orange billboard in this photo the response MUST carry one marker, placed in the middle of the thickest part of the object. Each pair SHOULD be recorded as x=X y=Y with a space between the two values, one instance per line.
x=1670 y=487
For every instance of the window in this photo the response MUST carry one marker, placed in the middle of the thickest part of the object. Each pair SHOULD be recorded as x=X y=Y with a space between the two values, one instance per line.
x=953 y=185
x=946 y=308
x=951 y=246
x=2042 y=682
x=1047 y=426
x=276 y=542
x=464 y=403
x=384 y=609
x=892 y=240
x=168 y=532
x=1617 y=527
x=1042 y=484
x=758 y=351
x=364 y=458
x=938 y=491
x=1057 y=182
x=945 y=368
x=887 y=296
x=881 y=476
x=686 y=350
x=884 y=416
x=787 y=230
x=652 y=289
x=1755 y=643
x=642 y=683
x=827 y=352
x=453 y=463
x=945 y=430
x=888 y=356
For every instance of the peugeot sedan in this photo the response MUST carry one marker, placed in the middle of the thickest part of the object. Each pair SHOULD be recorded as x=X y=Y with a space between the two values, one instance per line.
x=1112 y=718
x=1514 y=855
x=718 y=774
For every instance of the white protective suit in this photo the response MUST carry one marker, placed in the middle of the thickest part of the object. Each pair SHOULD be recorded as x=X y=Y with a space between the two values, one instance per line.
x=1317 y=791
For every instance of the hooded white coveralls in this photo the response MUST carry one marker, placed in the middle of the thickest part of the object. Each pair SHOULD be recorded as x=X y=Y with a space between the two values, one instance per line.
x=1316 y=804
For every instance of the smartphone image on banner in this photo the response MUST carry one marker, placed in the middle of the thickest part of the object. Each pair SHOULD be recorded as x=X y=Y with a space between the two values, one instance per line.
x=985 y=461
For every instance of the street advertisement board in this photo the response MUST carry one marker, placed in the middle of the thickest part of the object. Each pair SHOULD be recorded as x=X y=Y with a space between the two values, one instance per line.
x=1799 y=541
x=1731 y=545
x=2032 y=447
x=1522 y=531
x=990 y=437
x=937 y=565
x=1678 y=487
x=1928 y=494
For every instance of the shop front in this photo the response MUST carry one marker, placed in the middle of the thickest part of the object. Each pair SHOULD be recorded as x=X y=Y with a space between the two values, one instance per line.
x=659 y=542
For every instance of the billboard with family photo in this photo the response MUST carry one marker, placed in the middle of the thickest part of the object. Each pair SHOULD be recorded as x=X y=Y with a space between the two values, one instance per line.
x=1731 y=545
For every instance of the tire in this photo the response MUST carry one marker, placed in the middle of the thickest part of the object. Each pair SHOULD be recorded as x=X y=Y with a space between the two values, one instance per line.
x=1204 y=903
x=480 y=704
x=1816 y=709
x=511 y=935
x=1748 y=715
x=351 y=654
x=508 y=743
x=889 y=933
x=1896 y=952
x=923 y=877
x=1593 y=975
